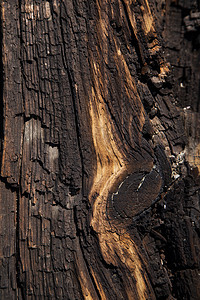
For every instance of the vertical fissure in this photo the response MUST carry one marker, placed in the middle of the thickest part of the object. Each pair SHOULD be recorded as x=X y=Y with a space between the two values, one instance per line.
x=1 y=87
x=76 y=122
x=20 y=285
x=78 y=233
x=18 y=259
x=135 y=42
x=72 y=88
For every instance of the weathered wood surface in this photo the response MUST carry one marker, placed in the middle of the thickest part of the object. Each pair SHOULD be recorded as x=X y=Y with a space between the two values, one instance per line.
x=99 y=186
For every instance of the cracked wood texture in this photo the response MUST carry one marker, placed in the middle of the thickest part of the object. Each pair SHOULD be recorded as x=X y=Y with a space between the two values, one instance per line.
x=99 y=129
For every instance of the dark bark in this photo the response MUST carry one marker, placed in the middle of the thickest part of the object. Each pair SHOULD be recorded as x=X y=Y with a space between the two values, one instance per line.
x=99 y=121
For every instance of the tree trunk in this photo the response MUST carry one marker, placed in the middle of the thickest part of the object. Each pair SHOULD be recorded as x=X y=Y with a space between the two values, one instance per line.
x=99 y=129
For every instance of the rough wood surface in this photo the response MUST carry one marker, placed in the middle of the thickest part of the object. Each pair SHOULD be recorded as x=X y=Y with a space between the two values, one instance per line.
x=99 y=119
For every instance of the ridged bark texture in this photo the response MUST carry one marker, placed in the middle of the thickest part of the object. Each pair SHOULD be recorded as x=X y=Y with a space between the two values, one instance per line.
x=99 y=130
